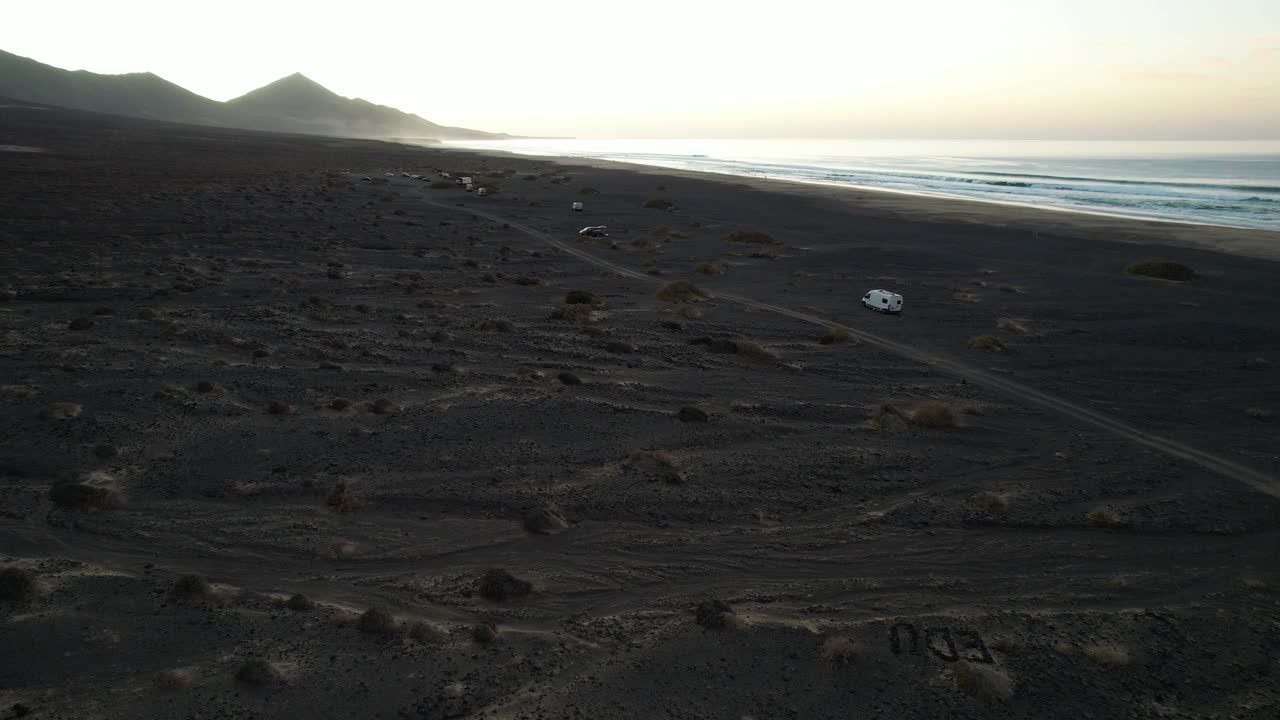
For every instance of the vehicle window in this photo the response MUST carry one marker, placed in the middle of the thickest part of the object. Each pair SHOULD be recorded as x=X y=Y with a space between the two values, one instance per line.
x=884 y=300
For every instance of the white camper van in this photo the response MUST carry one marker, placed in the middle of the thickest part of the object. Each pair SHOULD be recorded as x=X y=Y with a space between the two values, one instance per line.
x=482 y=192
x=468 y=187
x=466 y=180
x=883 y=300
x=577 y=207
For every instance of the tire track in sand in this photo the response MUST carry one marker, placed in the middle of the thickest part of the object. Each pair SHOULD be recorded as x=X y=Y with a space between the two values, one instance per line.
x=1255 y=479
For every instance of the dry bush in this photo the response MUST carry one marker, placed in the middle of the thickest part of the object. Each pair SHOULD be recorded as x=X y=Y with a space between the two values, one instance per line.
x=96 y=491
x=1163 y=269
x=61 y=411
x=835 y=335
x=991 y=502
x=643 y=243
x=658 y=204
x=190 y=588
x=499 y=586
x=663 y=458
x=709 y=268
x=983 y=682
x=989 y=343
x=587 y=191
x=688 y=312
x=342 y=498
x=384 y=406
x=18 y=585
x=546 y=520
x=932 y=413
x=1104 y=516
x=840 y=650
x=1113 y=655
x=486 y=632
x=1258 y=413
x=1005 y=287
x=425 y=632
x=582 y=297
x=765 y=253
x=300 y=603
x=971 y=409
x=576 y=313
x=277 y=407
x=340 y=404
x=258 y=673
x=716 y=614
x=1011 y=325
x=173 y=679
x=681 y=291
x=755 y=351
x=964 y=296
x=343 y=549
x=376 y=621
x=662 y=231
x=750 y=236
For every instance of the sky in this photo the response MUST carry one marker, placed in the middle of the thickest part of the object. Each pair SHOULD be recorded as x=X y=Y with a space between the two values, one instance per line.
x=1025 y=69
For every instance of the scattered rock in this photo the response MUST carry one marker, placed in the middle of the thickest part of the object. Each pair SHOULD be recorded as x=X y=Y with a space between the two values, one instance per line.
x=692 y=414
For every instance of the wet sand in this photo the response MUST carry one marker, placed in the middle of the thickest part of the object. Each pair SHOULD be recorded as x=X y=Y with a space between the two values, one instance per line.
x=228 y=355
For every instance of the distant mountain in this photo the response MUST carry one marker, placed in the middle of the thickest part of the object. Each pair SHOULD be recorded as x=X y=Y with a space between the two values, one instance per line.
x=295 y=104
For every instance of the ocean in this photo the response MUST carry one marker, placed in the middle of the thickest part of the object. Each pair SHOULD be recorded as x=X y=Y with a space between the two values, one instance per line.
x=1229 y=183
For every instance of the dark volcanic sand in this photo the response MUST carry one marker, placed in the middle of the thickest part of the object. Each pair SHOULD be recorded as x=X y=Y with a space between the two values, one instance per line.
x=205 y=297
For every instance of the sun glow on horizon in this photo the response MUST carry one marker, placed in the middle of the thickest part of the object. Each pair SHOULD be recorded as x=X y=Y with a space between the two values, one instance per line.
x=987 y=68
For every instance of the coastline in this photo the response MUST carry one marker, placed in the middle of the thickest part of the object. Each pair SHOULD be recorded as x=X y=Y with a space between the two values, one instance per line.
x=878 y=202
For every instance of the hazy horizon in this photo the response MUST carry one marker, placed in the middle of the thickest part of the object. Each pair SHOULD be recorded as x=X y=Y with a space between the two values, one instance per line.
x=1086 y=70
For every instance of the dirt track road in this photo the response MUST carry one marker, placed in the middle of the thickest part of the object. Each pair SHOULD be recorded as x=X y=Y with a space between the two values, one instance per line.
x=1255 y=479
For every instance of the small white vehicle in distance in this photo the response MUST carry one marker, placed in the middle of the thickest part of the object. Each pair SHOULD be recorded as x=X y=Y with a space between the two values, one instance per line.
x=482 y=191
x=883 y=300
x=577 y=207
x=594 y=231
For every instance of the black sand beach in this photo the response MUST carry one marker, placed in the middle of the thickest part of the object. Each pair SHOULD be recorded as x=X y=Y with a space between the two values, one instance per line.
x=269 y=425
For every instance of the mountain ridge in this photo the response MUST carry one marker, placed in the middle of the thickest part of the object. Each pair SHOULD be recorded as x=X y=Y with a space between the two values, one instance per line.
x=293 y=104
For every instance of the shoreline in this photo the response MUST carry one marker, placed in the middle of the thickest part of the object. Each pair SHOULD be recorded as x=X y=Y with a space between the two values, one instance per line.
x=887 y=202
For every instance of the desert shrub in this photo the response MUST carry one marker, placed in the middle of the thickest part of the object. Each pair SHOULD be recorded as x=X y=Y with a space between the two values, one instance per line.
x=95 y=492
x=765 y=253
x=425 y=632
x=715 y=614
x=486 y=632
x=658 y=204
x=575 y=313
x=933 y=413
x=1103 y=516
x=546 y=520
x=1011 y=325
x=340 y=404
x=662 y=231
x=18 y=585
x=342 y=498
x=276 y=407
x=61 y=411
x=643 y=243
x=1005 y=287
x=983 y=682
x=1112 y=655
x=840 y=650
x=192 y=587
x=582 y=297
x=384 y=406
x=1163 y=269
x=442 y=185
x=991 y=502
x=663 y=458
x=755 y=351
x=300 y=603
x=971 y=409
x=499 y=586
x=835 y=335
x=1257 y=413
x=709 y=268
x=750 y=236
x=680 y=291
x=688 y=312
x=587 y=191
x=376 y=621
x=989 y=343
x=876 y=418
x=257 y=672
x=172 y=679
